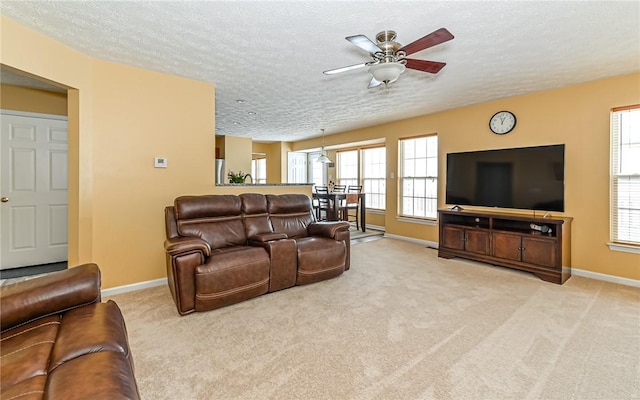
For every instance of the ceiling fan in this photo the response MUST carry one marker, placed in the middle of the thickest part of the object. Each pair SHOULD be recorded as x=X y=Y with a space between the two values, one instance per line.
x=388 y=57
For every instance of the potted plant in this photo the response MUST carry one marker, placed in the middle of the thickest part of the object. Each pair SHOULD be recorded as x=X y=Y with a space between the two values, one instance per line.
x=236 y=177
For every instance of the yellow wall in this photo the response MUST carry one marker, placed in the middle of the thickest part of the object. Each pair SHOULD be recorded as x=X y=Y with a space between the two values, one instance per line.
x=273 y=152
x=237 y=155
x=577 y=116
x=285 y=148
x=139 y=115
x=119 y=119
x=20 y=98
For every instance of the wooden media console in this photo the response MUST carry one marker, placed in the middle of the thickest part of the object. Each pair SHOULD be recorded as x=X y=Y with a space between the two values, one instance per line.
x=508 y=240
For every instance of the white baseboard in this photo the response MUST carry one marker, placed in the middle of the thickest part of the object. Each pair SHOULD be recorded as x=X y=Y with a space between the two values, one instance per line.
x=427 y=243
x=605 y=277
x=375 y=227
x=133 y=287
x=574 y=271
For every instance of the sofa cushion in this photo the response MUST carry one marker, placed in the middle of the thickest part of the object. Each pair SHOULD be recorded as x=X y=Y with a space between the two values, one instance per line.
x=206 y=206
x=290 y=214
x=90 y=329
x=49 y=296
x=26 y=351
x=217 y=219
x=230 y=276
x=28 y=389
x=254 y=210
x=105 y=375
x=319 y=259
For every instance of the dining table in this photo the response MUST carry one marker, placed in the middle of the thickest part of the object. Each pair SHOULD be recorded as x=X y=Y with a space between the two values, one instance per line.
x=334 y=205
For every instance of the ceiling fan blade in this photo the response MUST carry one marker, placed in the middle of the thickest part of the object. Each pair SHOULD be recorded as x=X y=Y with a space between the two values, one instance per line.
x=440 y=36
x=364 y=43
x=343 y=69
x=374 y=83
x=432 y=67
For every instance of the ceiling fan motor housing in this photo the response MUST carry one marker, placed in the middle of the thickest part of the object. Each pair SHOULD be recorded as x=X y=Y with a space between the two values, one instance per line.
x=388 y=46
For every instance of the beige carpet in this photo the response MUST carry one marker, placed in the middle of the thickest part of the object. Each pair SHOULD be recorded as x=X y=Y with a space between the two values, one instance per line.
x=401 y=324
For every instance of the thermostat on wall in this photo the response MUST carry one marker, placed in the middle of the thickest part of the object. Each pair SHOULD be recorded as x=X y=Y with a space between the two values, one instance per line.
x=160 y=162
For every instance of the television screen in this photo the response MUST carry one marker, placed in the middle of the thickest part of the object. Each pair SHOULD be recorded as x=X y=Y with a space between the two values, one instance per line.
x=529 y=178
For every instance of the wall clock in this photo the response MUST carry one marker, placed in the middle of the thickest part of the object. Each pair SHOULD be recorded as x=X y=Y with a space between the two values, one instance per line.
x=502 y=122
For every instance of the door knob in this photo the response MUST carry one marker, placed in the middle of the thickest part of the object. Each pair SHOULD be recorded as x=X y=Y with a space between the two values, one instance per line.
x=4 y=199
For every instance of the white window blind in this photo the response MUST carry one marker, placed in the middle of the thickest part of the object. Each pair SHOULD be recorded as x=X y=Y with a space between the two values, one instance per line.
x=419 y=177
x=347 y=167
x=374 y=171
x=625 y=175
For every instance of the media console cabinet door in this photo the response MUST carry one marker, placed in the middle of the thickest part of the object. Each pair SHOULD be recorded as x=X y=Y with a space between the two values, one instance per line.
x=539 y=251
x=452 y=237
x=477 y=241
x=507 y=245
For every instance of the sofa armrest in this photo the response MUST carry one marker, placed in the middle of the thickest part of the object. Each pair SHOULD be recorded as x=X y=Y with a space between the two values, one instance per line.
x=268 y=237
x=182 y=245
x=50 y=294
x=327 y=229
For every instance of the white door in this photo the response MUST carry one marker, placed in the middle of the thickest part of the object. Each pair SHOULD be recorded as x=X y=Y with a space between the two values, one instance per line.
x=33 y=190
x=296 y=167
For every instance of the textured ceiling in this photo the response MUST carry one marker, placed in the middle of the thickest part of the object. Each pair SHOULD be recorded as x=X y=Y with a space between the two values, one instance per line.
x=272 y=53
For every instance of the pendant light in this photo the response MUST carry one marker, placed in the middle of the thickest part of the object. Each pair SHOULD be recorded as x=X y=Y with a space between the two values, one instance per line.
x=323 y=154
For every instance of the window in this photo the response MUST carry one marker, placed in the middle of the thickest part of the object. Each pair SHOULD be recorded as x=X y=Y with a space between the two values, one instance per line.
x=625 y=175
x=259 y=170
x=374 y=171
x=347 y=163
x=317 y=171
x=419 y=177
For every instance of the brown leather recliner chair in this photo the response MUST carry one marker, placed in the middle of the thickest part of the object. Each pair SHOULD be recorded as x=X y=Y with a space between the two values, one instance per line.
x=222 y=249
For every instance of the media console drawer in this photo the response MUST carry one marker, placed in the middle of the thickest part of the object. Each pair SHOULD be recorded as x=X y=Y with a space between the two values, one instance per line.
x=508 y=240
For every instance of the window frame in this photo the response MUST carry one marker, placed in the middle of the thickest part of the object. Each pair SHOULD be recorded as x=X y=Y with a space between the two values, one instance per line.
x=430 y=202
x=340 y=180
x=380 y=196
x=349 y=179
x=630 y=241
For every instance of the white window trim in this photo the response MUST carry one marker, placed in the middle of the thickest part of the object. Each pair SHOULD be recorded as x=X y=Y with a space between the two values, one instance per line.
x=625 y=248
x=417 y=220
x=615 y=244
x=401 y=177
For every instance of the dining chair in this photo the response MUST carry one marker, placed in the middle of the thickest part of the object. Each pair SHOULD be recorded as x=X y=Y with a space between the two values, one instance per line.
x=321 y=204
x=350 y=210
x=339 y=188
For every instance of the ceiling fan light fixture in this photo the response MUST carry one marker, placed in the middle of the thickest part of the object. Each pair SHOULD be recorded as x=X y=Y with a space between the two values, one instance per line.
x=323 y=159
x=387 y=72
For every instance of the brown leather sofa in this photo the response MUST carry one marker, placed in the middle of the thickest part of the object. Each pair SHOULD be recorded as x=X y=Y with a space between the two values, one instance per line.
x=59 y=341
x=223 y=249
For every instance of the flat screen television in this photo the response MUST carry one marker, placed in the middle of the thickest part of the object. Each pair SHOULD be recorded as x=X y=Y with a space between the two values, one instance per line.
x=530 y=178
